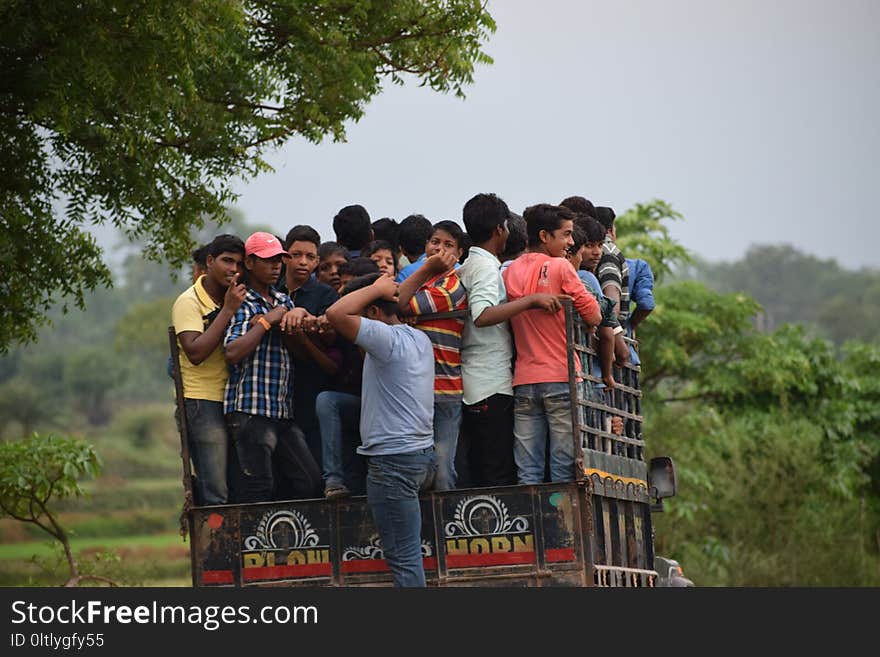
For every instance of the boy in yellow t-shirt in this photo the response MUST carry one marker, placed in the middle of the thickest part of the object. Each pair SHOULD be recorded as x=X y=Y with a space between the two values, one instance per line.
x=200 y=316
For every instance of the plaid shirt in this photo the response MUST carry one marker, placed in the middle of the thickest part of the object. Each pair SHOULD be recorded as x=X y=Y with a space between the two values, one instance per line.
x=261 y=383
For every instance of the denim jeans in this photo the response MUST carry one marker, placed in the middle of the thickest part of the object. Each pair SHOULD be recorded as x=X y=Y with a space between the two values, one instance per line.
x=447 y=422
x=486 y=442
x=393 y=485
x=208 y=447
x=272 y=460
x=542 y=410
x=339 y=415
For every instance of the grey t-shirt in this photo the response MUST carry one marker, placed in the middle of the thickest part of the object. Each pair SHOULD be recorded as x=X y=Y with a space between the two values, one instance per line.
x=397 y=396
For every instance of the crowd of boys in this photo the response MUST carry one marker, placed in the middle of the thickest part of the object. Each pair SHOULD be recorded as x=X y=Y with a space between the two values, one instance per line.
x=399 y=358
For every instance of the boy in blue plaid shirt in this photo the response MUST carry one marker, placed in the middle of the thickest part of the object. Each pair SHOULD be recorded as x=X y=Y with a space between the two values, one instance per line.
x=270 y=458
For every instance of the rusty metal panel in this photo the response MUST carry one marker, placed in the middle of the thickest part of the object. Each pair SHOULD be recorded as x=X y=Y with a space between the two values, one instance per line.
x=214 y=536
x=361 y=559
x=285 y=541
x=485 y=531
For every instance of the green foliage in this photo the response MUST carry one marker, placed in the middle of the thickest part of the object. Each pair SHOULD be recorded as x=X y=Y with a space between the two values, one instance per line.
x=21 y=402
x=41 y=468
x=793 y=287
x=775 y=433
x=90 y=375
x=143 y=113
x=692 y=333
x=642 y=233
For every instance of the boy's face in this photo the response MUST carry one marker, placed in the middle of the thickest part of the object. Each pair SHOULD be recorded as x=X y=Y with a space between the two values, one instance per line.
x=264 y=271
x=224 y=267
x=592 y=255
x=559 y=241
x=441 y=241
x=384 y=260
x=302 y=262
x=328 y=270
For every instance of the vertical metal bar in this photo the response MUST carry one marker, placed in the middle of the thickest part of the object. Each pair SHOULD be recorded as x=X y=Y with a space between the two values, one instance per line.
x=184 y=448
x=538 y=529
x=181 y=413
x=587 y=532
x=568 y=305
x=439 y=539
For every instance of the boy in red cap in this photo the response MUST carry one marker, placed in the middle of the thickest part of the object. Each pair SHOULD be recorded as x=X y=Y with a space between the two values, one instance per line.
x=258 y=393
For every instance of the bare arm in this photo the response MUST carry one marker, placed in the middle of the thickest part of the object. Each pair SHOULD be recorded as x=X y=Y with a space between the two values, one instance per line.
x=239 y=349
x=613 y=292
x=345 y=314
x=638 y=316
x=198 y=346
x=504 y=311
x=431 y=267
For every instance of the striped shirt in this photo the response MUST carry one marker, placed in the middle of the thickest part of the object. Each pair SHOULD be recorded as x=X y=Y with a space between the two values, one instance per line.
x=614 y=272
x=261 y=383
x=443 y=294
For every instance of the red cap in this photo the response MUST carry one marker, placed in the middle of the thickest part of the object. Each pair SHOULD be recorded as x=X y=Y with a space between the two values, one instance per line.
x=264 y=245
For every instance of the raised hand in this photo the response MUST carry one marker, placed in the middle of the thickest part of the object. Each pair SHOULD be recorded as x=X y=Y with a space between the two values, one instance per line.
x=387 y=287
x=440 y=262
x=235 y=294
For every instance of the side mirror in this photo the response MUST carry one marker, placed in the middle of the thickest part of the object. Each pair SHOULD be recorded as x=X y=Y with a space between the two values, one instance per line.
x=661 y=478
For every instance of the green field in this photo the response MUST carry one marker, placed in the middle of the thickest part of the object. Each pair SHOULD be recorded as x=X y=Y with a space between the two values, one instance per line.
x=125 y=526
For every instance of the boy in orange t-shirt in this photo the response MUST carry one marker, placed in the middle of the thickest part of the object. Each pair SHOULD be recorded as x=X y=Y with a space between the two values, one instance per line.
x=542 y=403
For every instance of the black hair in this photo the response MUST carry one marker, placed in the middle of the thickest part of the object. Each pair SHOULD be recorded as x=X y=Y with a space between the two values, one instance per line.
x=452 y=228
x=352 y=227
x=222 y=244
x=327 y=249
x=580 y=205
x=302 y=234
x=544 y=216
x=482 y=214
x=388 y=230
x=415 y=231
x=606 y=216
x=387 y=307
x=200 y=256
x=362 y=265
x=379 y=245
x=578 y=237
x=594 y=231
x=465 y=245
x=517 y=239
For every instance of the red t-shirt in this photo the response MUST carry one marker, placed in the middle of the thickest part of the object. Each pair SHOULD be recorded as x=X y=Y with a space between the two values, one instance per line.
x=540 y=337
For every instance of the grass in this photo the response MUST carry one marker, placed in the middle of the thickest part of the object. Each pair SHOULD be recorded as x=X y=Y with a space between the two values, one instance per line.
x=125 y=526
x=144 y=560
x=25 y=550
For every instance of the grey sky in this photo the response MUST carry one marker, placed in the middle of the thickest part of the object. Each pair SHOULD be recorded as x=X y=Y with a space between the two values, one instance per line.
x=757 y=120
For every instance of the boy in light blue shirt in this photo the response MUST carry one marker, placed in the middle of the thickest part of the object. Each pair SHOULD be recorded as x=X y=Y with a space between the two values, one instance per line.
x=397 y=415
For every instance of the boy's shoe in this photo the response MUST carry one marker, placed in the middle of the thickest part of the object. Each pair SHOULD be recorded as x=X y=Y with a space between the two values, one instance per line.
x=331 y=492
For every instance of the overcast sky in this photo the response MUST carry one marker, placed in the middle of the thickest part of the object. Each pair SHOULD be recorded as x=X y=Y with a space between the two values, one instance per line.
x=759 y=121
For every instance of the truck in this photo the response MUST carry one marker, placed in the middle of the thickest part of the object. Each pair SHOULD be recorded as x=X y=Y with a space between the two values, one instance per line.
x=595 y=530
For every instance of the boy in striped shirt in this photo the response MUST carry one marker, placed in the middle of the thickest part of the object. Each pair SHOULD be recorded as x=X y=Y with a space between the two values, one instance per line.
x=435 y=288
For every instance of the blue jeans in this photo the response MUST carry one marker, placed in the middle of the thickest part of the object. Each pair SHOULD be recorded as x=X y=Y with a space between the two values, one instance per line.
x=541 y=410
x=339 y=416
x=208 y=448
x=393 y=485
x=447 y=422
